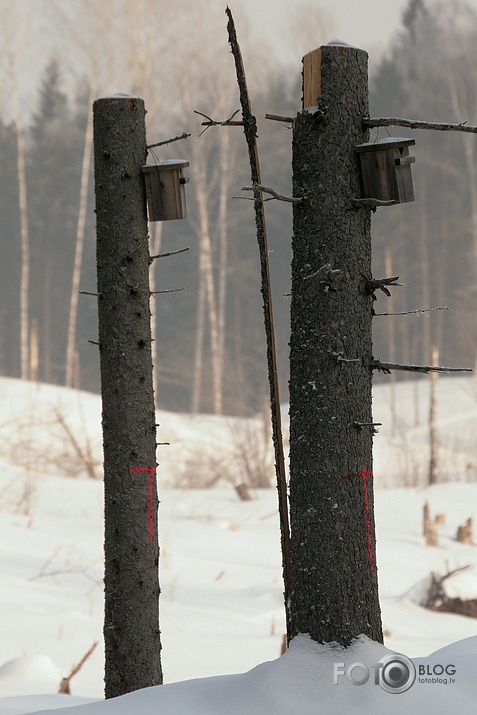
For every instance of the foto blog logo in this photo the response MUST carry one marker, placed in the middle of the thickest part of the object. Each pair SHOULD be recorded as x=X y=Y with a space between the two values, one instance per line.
x=394 y=673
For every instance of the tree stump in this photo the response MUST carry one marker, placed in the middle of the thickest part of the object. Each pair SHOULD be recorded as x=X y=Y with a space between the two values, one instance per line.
x=464 y=533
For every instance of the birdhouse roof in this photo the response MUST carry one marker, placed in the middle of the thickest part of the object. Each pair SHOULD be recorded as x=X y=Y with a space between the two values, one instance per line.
x=167 y=165
x=386 y=143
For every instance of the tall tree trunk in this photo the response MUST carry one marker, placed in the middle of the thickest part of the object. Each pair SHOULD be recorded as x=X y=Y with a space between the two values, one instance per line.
x=131 y=627
x=424 y=271
x=224 y=184
x=433 y=434
x=334 y=593
x=468 y=142
x=24 y=231
x=207 y=276
x=199 y=345
x=71 y=353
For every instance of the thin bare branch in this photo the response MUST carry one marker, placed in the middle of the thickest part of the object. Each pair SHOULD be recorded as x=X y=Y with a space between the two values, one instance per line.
x=214 y=123
x=169 y=290
x=372 y=203
x=250 y=130
x=170 y=253
x=419 y=311
x=65 y=683
x=381 y=284
x=184 y=135
x=386 y=367
x=280 y=118
x=225 y=123
x=274 y=194
x=417 y=124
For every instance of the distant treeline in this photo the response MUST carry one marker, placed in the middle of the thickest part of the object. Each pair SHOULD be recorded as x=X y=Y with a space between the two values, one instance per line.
x=209 y=344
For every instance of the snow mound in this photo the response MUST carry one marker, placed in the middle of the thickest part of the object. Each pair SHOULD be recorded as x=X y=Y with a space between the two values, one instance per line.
x=301 y=682
x=29 y=674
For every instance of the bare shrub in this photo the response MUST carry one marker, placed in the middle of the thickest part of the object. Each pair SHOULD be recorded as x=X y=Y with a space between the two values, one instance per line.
x=436 y=598
x=243 y=454
x=52 y=445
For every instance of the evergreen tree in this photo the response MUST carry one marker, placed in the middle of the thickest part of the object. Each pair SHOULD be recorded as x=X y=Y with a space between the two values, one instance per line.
x=10 y=263
x=430 y=241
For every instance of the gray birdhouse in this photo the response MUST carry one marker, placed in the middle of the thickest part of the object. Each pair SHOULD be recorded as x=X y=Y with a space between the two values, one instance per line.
x=386 y=169
x=165 y=189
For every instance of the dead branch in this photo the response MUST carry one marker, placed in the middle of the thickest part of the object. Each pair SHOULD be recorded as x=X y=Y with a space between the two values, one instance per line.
x=85 y=456
x=65 y=683
x=250 y=130
x=417 y=124
x=67 y=569
x=274 y=194
x=168 y=290
x=436 y=591
x=184 y=135
x=419 y=310
x=214 y=123
x=360 y=425
x=170 y=253
x=381 y=283
x=86 y=292
x=373 y=203
x=226 y=123
x=279 y=118
x=386 y=367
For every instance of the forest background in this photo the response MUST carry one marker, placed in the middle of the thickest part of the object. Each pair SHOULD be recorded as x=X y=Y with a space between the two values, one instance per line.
x=209 y=348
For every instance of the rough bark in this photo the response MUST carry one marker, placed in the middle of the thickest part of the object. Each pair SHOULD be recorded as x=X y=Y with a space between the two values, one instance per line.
x=131 y=628
x=334 y=584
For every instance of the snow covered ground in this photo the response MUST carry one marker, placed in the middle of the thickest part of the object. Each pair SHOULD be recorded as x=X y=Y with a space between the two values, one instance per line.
x=221 y=604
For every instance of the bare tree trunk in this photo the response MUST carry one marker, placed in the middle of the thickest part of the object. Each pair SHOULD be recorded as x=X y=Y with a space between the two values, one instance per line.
x=80 y=234
x=424 y=269
x=433 y=433
x=34 y=352
x=468 y=142
x=334 y=594
x=207 y=275
x=224 y=184
x=24 y=230
x=131 y=627
x=199 y=345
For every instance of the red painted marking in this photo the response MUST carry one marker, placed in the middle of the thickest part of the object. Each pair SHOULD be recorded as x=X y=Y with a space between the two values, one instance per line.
x=364 y=474
x=150 y=509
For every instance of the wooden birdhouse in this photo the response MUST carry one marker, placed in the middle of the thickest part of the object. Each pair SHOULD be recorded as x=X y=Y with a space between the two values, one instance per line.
x=165 y=190
x=386 y=169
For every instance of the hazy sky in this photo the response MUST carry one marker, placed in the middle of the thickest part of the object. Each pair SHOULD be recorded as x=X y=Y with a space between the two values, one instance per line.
x=358 y=22
x=369 y=24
